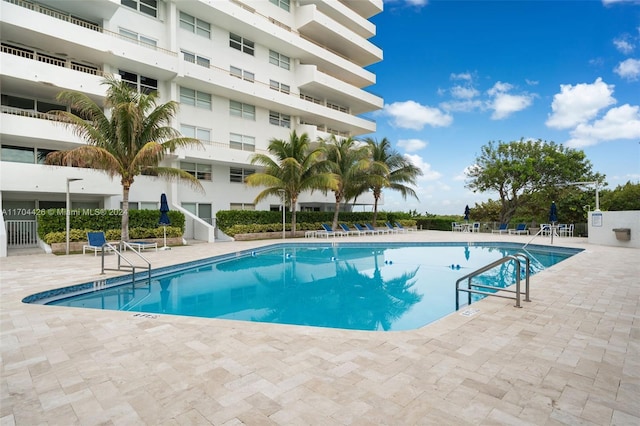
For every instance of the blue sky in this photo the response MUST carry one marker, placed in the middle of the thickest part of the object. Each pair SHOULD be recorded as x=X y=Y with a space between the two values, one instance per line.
x=458 y=74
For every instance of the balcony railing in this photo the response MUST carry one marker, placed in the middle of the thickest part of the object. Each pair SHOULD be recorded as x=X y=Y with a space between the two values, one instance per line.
x=48 y=59
x=30 y=113
x=85 y=24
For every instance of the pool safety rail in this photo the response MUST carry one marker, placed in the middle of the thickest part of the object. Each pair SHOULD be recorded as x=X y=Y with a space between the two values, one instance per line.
x=499 y=292
x=119 y=253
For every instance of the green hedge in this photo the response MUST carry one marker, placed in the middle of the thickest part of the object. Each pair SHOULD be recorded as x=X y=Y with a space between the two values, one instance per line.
x=233 y=222
x=54 y=220
x=113 y=234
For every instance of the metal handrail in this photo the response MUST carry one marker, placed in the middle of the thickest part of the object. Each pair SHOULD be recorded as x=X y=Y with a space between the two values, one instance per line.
x=492 y=265
x=122 y=257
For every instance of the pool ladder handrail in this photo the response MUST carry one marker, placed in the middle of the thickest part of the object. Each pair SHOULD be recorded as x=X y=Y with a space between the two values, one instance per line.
x=470 y=290
x=122 y=257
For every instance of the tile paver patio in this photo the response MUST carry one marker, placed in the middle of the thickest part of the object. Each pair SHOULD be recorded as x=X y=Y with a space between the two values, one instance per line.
x=571 y=356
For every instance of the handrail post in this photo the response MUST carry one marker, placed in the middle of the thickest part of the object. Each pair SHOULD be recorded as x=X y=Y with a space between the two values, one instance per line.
x=517 y=282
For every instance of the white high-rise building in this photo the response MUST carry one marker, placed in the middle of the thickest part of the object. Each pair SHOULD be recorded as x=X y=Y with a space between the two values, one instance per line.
x=243 y=72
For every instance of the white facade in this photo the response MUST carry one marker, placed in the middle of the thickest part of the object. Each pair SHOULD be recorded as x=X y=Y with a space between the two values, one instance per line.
x=243 y=71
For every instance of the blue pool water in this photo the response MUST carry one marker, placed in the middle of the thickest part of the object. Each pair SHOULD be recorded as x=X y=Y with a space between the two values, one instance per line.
x=375 y=286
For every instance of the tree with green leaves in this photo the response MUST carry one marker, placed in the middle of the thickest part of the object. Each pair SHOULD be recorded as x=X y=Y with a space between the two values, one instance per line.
x=623 y=197
x=348 y=161
x=131 y=139
x=516 y=170
x=292 y=168
x=388 y=169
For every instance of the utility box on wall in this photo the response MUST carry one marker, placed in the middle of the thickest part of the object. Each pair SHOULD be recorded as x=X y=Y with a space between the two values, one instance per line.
x=623 y=234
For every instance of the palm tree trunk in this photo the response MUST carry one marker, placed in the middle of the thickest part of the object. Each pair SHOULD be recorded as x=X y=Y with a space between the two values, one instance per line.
x=294 y=202
x=124 y=229
x=334 y=225
x=375 y=208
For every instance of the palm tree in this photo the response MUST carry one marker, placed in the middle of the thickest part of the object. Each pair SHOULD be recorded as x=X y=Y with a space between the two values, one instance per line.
x=132 y=140
x=348 y=162
x=389 y=169
x=296 y=168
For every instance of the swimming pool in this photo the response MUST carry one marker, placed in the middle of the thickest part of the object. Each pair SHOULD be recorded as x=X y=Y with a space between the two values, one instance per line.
x=371 y=286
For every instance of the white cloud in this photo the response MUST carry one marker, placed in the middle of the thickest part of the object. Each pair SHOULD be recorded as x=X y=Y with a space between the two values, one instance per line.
x=610 y=2
x=412 y=115
x=579 y=104
x=413 y=3
x=531 y=82
x=412 y=145
x=618 y=123
x=462 y=76
x=464 y=92
x=427 y=172
x=624 y=45
x=461 y=106
x=629 y=69
x=504 y=104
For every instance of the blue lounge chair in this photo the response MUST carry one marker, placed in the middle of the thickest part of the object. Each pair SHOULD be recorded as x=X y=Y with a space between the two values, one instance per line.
x=326 y=231
x=504 y=228
x=345 y=228
x=392 y=229
x=403 y=229
x=364 y=230
x=377 y=230
x=521 y=228
x=475 y=227
x=96 y=241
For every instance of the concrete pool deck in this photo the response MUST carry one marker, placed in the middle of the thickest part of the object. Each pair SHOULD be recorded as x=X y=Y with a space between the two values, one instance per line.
x=570 y=356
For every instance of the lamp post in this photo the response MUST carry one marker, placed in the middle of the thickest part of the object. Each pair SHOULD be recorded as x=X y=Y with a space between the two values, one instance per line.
x=282 y=192
x=68 y=212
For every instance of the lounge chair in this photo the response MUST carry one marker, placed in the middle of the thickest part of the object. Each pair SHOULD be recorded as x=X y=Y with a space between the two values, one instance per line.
x=96 y=241
x=402 y=228
x=475 y=227
x=391 y=229
x=378 y=230
x=504 y=228
x=545 y=229
x=345 y=228
x=143 y=245
x=457 y=227
x=327 y=231
x=365 y=230
x=521 y=228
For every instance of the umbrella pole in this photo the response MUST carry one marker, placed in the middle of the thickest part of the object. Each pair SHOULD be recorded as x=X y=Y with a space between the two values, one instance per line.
x=165 y=239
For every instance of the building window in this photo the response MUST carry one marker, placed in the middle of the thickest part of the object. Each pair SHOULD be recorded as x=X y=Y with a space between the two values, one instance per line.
x=31 y=104
x=203 y=135
x=195 y=59
x=241 y=44
x=138 y=38
x=200 y=171
x=195 y=25
x=242 y=206
x=243 y=74
x=277 y=119
x=279 y=87
x=195 y=98
x=18 y=154
x=148 y=7
x=242 y=142
x=246 y=111
x=237 y=174
x=282 y=4
x=279 y=60
x=139 y=83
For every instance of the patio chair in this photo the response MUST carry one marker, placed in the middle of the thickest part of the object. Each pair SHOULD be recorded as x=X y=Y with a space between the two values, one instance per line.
x=96 y=241
x=327 y=230
x=378 y=230
x=545 y=229
x=401 y=228
x=456 y=227
x=521 y=228
x=475 y=227
x=391 y=229
x=504 y=228
x=345 y=228
x=566 y=231
x=365 y=230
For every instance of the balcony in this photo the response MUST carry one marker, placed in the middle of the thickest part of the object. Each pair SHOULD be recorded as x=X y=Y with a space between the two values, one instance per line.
x=317 y=27
x=344 y=16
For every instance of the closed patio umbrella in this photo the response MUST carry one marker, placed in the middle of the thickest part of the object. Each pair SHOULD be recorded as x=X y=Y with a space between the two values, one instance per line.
x=553 y=218
x=466 y=213
x=164 y=218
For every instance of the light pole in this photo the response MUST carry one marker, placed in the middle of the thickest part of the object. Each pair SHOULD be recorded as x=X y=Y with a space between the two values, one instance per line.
x=282 y=192
x=68 y=212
